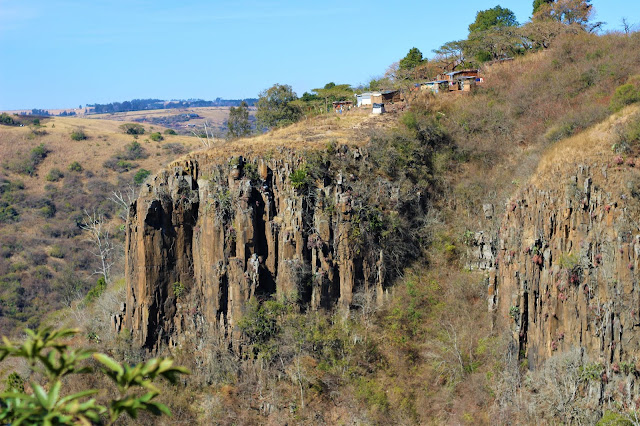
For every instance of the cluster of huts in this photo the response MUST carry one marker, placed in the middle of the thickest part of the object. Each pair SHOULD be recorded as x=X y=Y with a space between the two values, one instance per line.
x=456 y=81
x=374 y=100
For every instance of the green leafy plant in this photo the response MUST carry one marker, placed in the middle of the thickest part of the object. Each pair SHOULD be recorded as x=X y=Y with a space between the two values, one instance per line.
x=300 y=177
x=178 y=289
x=514 y=312
x=156 y=137
x=132 y=128
x=78 y=135
x=97 y=290
x=47 y=353
x=140 y=176
x=170 y=132
x=75 y=167
x=54 y=175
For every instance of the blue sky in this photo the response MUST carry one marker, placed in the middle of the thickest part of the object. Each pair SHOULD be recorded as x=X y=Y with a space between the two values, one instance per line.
x=60 y=54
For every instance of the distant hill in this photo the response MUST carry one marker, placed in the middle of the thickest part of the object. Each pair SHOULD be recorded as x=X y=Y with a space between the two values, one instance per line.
x=149 y=104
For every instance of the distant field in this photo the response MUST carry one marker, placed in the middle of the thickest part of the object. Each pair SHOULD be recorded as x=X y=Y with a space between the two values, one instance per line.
x=216 y=117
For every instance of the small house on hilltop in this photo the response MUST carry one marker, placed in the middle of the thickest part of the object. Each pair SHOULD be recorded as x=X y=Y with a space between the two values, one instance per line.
x=457 y=75
x=436 y=86
x=364 y=100
x=367 y=99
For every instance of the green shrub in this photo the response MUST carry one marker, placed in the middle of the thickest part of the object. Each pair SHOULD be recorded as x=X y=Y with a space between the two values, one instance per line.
x=75 y=167
x=170 y=132
x=178 y=289
x=132 y=128
x=7 y=120
x=8 y=214
x=54 y=175
x=300 y=177
x=624 y=95
x=96 y=291
x=140 y=176
x=78 y=135
x=57 y=252
x=119 y=166
x=133 y=151
x=48 y=210
x=260 y=324
x=156 y=137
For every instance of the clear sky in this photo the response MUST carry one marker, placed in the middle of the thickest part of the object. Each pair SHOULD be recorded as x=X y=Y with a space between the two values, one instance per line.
x=60 y=54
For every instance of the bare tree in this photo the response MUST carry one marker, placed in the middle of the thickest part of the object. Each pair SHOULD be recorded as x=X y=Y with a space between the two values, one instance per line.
x=98 y=235
x=124 y=199
x=208 y=139
x=627 y=26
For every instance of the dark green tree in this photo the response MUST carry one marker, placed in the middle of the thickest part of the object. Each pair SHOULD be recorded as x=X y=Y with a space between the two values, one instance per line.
x=238 y=122
x=538 y=3
x=275 y=107
x=493 y=35
x=494 y=17
x=412 y=60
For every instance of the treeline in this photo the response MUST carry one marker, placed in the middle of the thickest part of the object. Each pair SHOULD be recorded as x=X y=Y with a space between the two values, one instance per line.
x=149 y=104
x=496 y=35
x=45 y=113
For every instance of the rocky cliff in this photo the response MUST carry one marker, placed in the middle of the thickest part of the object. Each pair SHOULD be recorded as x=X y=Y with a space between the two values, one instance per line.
x=568 y=254
x=210 y=233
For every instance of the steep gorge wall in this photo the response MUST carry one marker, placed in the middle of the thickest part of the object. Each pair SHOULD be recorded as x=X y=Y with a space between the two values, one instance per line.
x=208 y=234
x=567 y=276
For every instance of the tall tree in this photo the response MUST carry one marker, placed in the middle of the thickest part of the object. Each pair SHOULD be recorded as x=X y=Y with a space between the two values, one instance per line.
x=494 y=17
x=275 y=107
x=493 y=35
x=412 y=60
x=568 y=12
x=238 y=122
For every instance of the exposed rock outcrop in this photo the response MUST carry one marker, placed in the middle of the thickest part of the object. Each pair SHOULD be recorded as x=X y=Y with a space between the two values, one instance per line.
x=567 y=274
x=208 y=234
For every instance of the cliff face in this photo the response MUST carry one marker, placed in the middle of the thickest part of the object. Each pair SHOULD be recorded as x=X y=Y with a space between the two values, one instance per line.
x=568 y=258
x=209 y=234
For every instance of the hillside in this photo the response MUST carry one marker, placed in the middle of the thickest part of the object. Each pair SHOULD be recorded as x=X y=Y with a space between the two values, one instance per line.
x=48 y=182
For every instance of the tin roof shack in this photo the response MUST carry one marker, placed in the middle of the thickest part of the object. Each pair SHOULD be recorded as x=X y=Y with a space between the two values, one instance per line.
x=437 y=86
x=457 y=75
x=391 y=96
x=378 y=108
x=363 y=100
x=341 y=106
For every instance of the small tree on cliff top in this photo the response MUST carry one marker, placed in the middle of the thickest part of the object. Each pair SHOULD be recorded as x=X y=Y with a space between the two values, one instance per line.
x=238 y=122
x=276 y=107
